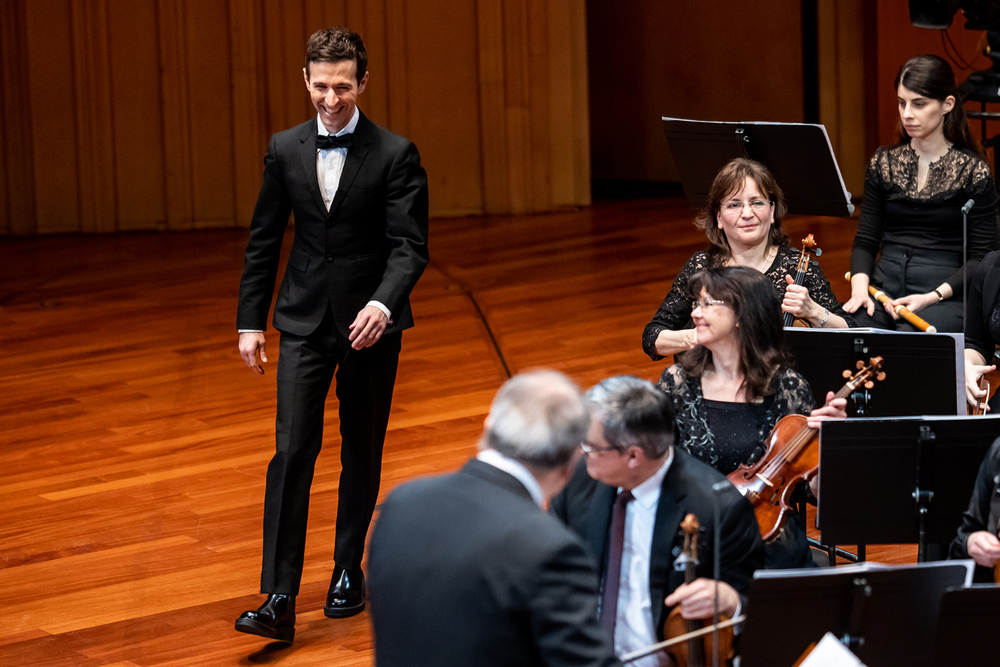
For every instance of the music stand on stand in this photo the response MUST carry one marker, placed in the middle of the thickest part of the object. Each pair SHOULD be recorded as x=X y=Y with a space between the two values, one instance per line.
x=886 y=614
x=821 y=356
x=966 y=618
x=799 y=156
x=899 y=481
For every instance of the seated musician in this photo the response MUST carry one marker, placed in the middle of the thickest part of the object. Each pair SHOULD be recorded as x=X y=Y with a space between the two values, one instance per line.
x=731 y=389
x=977 y=537
x=743 y=224
x=635 y=484
x=982 y=329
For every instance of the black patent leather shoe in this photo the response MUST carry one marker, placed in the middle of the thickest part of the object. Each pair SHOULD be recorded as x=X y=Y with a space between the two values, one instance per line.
x=347 y=593
x=275 y=619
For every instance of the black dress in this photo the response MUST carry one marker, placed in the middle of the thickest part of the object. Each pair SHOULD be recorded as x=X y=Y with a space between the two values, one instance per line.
x=725 y=435
x=918 y=234
x=674 y=313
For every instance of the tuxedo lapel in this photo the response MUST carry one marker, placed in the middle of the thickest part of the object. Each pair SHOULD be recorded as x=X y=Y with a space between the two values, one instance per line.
x=356 y=154
x=307 y=152
x=669 y=513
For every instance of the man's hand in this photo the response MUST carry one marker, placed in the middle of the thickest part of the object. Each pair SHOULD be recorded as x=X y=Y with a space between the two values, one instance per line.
x=697 y=599
x=983 y=547
x=367 y=327
x=252 y=345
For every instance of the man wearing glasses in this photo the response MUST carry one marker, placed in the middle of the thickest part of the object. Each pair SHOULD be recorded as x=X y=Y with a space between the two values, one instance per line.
x=627 y=501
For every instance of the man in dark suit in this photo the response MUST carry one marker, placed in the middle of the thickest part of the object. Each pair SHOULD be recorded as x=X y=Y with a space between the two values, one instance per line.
x=359 y=196
x=633 y=482
x=467 y=569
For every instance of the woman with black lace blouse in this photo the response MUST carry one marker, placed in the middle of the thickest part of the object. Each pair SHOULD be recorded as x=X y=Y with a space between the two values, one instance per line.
x=743 y=224
x=732 y=388
x=911 y=213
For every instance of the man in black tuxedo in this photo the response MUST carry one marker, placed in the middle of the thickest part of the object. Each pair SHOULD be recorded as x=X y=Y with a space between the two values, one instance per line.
x=359 y=196
x=468 y=569
x=636 y=483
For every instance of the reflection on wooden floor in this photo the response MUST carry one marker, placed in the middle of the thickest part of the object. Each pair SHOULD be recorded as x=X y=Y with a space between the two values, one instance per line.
x=135 y=442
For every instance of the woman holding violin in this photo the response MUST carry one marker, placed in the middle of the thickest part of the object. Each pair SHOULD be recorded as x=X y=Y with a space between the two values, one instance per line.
x=733 y=387
x=911 y=213
x=743 y=224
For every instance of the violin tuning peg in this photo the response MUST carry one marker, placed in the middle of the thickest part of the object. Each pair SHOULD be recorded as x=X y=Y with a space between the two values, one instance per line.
x=869 y=384
x=859 y=365
x=818 y=252
x=847 y=374
x=880 y=376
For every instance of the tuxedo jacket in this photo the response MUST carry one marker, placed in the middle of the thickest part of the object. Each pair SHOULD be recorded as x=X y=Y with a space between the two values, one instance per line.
x=465 y=569
x=371 y=245
x=585 y=506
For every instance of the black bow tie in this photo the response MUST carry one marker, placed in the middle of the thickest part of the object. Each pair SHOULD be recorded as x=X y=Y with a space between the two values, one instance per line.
x=325 y=141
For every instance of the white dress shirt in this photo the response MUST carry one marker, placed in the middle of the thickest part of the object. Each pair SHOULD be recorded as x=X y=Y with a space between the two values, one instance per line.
x=515 y=469
x=634 y=620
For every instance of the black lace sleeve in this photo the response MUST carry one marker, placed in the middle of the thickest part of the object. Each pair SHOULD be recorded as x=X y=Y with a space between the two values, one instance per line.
x=793 y=396
x=674 y=313
x=868 y=238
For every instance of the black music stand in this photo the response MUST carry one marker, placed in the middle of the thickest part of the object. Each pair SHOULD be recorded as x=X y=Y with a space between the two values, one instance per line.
x=899 y=481
x=967 y=617
x=885 y=614
x=798 y=155
x=822 y=355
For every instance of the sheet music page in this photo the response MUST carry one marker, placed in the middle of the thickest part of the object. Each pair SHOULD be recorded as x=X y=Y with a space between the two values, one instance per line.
x=831 y=652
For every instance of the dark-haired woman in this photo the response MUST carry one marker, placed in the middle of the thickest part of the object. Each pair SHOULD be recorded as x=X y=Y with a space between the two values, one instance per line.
x=911 y=214
x=732 y=388
x=743 y=224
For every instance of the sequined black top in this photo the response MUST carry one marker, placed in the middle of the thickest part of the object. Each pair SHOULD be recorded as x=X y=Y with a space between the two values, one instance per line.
x=894 y=211
x=697 y=421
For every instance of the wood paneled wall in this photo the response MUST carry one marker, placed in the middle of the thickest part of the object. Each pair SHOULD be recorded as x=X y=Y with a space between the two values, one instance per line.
x=705 y=60
x=898 y=41
x=155 y=114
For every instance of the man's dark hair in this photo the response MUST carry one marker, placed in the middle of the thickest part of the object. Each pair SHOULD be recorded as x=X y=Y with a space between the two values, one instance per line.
x=634 y=413
x=332 y=45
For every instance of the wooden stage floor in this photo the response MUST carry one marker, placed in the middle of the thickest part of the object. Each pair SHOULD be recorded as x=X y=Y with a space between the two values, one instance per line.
x=134 y=441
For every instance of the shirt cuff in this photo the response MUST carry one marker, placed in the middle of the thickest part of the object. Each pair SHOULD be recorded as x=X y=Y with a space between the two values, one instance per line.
x=381 y=306
x=249 y=331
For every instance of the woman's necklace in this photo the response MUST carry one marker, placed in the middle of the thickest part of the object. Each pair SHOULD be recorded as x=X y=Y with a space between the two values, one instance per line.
x=767 y=257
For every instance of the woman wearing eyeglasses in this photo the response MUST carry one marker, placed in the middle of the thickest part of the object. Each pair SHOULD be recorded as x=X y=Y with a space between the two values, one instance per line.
x=743 y=224
x=730 y=390
x=911 y=213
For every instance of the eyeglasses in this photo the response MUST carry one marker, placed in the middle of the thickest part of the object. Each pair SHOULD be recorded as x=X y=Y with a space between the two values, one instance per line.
x=735 y=206
x=705 y=303
x=589 y=448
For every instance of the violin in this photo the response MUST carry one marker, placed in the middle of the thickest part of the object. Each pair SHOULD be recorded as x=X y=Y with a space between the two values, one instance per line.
x=808 y=249
x=695 y=651
x=791 y=458
x=979 y=409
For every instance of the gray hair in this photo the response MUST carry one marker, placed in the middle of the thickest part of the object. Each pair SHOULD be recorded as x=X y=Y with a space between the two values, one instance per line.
x=537 y=418
x=634 y=413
